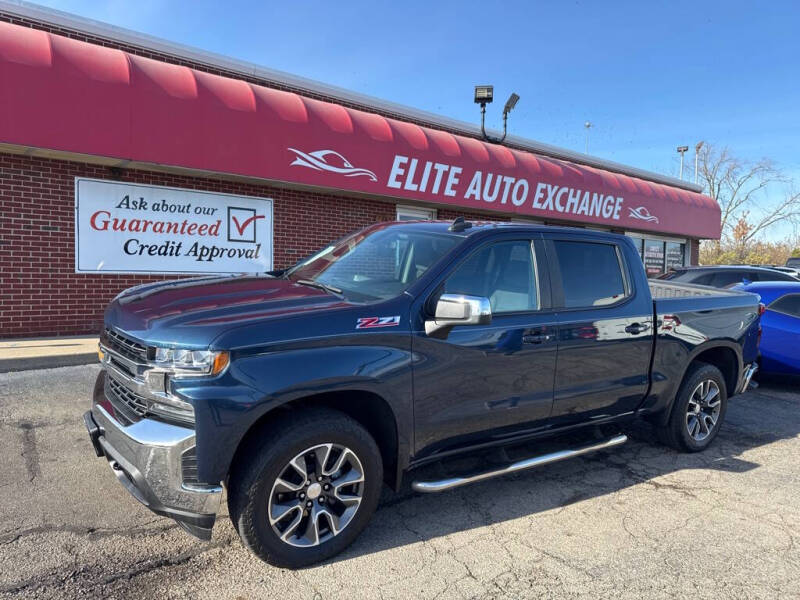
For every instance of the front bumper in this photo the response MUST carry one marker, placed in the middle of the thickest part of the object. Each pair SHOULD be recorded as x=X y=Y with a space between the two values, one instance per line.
x=147 y=457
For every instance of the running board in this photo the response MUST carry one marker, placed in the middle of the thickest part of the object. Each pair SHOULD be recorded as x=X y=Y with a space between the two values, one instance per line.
x=536 y=461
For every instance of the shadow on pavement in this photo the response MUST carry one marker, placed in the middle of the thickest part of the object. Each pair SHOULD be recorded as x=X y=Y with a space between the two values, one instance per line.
x=758 y=418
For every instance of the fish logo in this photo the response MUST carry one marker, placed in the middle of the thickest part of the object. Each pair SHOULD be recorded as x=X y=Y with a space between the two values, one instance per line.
x=643 y=214
x=331 y=161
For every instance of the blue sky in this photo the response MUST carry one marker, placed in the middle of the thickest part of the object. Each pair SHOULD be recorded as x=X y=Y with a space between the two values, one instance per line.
x=649 y=76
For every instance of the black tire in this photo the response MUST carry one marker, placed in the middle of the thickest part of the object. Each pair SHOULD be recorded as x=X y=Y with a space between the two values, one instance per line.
x=264 y=459
x=676 y=432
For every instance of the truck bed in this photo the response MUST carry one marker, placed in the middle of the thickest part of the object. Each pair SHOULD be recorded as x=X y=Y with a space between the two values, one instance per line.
x=666 y=289
x=678 y=298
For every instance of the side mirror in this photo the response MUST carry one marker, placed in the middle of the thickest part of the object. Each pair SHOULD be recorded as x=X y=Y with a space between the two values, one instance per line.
x=457 y=309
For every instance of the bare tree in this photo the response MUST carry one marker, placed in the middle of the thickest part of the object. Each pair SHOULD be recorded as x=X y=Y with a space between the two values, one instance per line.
x=741 y=189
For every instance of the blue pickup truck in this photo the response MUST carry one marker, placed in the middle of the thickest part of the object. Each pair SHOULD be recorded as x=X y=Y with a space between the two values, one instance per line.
x=303 y=391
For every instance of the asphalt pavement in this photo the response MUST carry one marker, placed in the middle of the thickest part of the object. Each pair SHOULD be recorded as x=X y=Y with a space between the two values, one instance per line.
x=639 y=521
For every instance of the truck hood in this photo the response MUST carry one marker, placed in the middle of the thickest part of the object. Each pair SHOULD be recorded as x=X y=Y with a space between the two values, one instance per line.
x=193 y=312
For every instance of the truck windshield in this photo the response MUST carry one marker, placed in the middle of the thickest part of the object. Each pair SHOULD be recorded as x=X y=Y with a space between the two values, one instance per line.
x=375 y=264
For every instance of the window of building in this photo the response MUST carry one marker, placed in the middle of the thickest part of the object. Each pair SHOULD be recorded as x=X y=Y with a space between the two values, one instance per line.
x=660 y=254
x=591 y=273
x=653 y=257
x=415 y=213
x=504 y=273
x=675 y=255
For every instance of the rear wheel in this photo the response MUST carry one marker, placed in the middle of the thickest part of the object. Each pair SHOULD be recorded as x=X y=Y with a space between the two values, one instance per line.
x=698 y=411
x=307 y=487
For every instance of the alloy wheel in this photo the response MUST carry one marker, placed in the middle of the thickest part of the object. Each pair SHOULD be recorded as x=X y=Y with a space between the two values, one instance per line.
x=316 y=495
x=702 y=412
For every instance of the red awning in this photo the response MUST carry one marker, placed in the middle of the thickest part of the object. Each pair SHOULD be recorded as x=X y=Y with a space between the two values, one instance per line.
x=61 y=94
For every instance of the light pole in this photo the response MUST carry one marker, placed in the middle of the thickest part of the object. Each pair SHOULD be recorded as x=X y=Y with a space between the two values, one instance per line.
x=696 y=155
x=484 y=94
x=682 y=150
x=588 y=126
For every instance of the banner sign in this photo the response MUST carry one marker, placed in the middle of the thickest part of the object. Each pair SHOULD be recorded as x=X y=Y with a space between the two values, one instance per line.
x=132 y=228
x=147 y=112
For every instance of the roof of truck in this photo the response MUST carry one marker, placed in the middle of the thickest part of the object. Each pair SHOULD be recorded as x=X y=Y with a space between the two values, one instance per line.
x=473 y=227
x=723 y=268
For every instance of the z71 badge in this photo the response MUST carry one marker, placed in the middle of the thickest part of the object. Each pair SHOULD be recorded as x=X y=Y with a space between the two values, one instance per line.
x=371 y=322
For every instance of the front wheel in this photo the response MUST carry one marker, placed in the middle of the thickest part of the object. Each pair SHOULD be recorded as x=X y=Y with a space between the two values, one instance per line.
x=306 y=488
x=698 y=411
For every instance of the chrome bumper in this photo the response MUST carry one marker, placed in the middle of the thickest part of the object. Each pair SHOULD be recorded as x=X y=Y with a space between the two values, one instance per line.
x=146 y=457
x=747 y=375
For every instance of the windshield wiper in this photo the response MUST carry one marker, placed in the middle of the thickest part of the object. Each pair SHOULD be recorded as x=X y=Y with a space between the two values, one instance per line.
x=320 y=285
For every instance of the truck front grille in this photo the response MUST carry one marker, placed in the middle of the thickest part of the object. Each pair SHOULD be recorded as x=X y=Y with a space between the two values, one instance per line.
x=128 y=406
x=131 y=408
x=125 y=346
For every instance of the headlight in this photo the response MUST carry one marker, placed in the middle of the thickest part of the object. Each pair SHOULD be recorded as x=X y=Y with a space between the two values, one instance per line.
x=192 y=363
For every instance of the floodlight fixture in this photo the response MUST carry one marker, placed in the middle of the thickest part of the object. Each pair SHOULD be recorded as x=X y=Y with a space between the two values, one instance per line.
x=484 y=94
x=510 y=103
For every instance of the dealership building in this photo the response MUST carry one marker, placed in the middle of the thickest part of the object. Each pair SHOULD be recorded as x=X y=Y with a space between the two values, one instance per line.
x=126 y=159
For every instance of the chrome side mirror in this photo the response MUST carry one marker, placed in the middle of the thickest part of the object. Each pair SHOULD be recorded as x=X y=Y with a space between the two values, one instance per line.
x=457 y=309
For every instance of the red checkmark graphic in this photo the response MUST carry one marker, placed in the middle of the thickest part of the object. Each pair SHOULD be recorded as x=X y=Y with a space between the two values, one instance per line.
x=241 y=226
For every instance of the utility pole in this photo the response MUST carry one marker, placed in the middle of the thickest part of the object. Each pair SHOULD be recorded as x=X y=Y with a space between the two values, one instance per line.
x=696 y=156
x=588 y=126
x=682 y=150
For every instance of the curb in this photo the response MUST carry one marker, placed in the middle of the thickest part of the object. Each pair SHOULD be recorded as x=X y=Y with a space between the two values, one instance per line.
x=12 y=365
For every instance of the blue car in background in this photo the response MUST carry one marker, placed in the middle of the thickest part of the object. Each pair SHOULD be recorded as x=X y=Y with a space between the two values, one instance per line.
x=780 y=325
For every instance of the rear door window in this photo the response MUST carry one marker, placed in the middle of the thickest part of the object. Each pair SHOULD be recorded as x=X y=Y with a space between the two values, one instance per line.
x=704 y=279
x=789 y=305
x=774 y=276
x=591 y=273
x=727 y=278
x=755 y=276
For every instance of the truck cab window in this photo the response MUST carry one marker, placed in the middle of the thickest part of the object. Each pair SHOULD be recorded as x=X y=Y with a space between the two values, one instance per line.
x=591 y=273
x=504 y=273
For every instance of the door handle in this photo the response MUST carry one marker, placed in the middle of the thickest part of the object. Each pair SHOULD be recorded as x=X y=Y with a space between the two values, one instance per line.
x=635 y=328
x=536 y=338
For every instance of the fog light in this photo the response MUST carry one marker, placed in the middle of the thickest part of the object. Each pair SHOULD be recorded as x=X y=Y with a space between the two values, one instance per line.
x=156 y=381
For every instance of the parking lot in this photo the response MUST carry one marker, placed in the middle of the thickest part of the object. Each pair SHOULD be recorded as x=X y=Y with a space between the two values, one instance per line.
x=641 y=521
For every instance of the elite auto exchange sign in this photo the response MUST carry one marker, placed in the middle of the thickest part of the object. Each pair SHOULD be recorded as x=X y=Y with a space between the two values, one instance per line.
x=132 y=228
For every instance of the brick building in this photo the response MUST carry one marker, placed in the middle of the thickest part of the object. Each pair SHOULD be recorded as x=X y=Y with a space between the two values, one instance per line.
x=93 y=117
